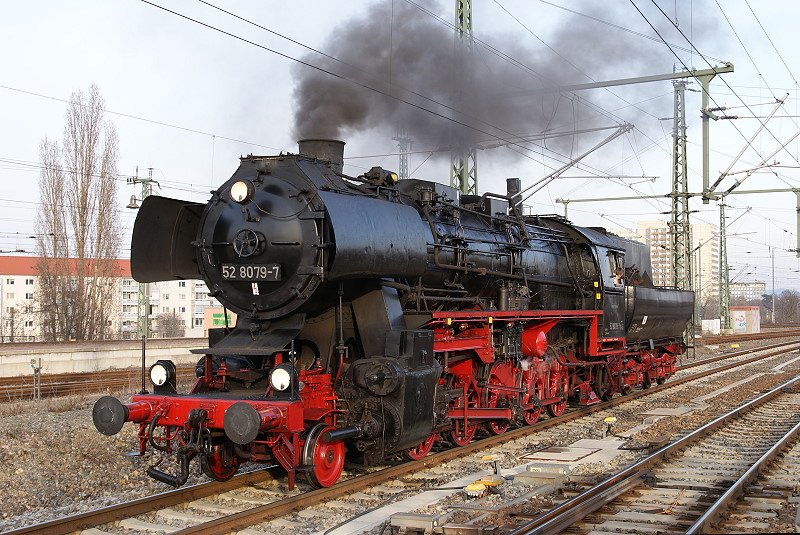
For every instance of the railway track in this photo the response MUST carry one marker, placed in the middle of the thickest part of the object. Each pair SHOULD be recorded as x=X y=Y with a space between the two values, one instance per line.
x=732 y=355
x=246 y=502
x=682 y=487
x=733 y=338
x=761 y=499
x=66 y=384
x=53 y=385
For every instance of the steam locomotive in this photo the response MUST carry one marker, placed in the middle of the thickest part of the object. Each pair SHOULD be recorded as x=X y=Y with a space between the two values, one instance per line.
x=378 y=317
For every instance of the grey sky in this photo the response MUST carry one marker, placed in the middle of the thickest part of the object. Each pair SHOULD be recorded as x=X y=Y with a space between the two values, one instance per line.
x=154 y=65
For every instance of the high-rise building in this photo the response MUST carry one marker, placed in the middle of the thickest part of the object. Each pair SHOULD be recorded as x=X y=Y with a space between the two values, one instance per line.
x=705 y=254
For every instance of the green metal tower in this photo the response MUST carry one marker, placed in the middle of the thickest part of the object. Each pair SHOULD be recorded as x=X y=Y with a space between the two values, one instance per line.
x=724 y=276
x=679 y=216
x=463 y=160
x=403 y=148
x=143 y=325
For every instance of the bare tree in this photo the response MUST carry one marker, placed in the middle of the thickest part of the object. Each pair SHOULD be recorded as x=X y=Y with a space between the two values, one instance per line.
x=787 y=307
x=169 y=325
x=78 y=224
x=709 y=307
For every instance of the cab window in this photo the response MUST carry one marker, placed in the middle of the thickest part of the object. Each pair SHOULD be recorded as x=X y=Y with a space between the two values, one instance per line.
x=616 y=268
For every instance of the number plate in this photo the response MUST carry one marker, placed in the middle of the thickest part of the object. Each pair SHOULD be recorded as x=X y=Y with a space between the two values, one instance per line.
x=251 y=272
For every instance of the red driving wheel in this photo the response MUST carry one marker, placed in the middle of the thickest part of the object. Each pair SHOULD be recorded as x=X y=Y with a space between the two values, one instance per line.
x=531 y=416
x=422 y=449
x=556 y=409
x=503 y=374
x=463 y=430
x=560 y=383
x=496 y=427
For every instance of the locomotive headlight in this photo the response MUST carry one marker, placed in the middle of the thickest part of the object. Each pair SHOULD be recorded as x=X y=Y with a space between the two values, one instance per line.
x=284 y=380
x=158 y=374
x=242 y=191
x=280 y=379
x=163 y=375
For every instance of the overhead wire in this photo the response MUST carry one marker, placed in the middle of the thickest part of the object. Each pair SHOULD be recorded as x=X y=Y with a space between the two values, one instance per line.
x=588 y=169
x=139 y=118
x=358 y=83
x=710 y=65
x=618 y=27
x=317 y=51
x=213 y=135
x=575 y=96
x=567 y=60
x=510 y=143
x=117 y=177
x=704 y=58
x=608 y=90
x=755 y=66
x=766 y=33
x=584 y=73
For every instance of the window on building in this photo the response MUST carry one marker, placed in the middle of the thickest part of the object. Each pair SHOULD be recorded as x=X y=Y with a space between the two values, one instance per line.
x=29 y=323
x=28 y=296
x=182 y=309
x=166 y=296
x=164 y=309
x=182 y=323
x=198 y=322
x=10 y=295
x=29 y=282
x=9 y=281
x=182 y=284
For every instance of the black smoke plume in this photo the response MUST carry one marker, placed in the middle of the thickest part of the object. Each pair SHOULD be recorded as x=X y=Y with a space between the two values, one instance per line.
x=415 y=60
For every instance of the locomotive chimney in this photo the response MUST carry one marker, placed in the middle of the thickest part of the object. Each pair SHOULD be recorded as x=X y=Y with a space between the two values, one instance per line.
x=324 y=149
x=513 y=187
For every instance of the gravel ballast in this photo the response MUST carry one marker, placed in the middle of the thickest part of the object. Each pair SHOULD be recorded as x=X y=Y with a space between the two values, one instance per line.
x=55 y=463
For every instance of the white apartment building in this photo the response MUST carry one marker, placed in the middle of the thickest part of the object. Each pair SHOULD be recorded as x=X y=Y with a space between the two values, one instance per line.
x=17 y=322
x=187 y=299
x=705 y=256
x=748 y=291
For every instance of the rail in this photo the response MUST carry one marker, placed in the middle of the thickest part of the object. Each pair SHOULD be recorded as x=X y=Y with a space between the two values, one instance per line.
x=567 y=513
x=714 y=513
